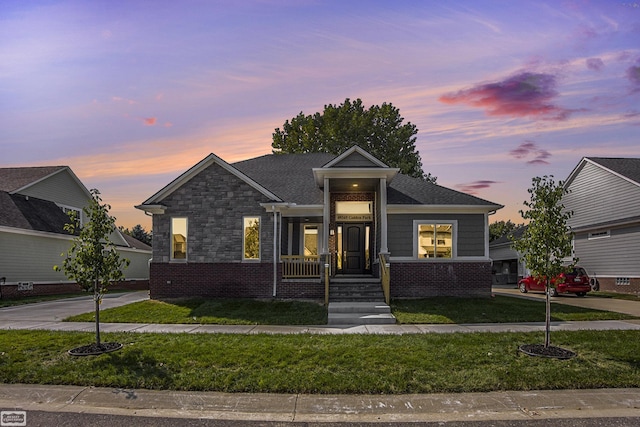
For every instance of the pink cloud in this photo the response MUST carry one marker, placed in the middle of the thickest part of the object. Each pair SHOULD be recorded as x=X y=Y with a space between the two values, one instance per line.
x=150 y=121
x=595 y=64
x=528 y=149
x=523 y=95
x=473 y=187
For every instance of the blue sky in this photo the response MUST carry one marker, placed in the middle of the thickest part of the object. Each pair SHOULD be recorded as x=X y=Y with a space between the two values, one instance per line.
x=130 y=94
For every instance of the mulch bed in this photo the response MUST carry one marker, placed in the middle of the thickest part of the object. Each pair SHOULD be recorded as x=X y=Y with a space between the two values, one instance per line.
x=540 y=350
x=95 y=349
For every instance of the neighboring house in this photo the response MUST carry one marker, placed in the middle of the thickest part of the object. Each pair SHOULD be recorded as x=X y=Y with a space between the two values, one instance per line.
x=33 y=206
x=604 y=195
x=287 y=225
x=508 y=266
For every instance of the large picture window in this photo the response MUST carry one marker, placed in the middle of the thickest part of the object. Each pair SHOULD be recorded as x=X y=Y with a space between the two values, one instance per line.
x=435 y=240
x=251 y=238
x=179 y=239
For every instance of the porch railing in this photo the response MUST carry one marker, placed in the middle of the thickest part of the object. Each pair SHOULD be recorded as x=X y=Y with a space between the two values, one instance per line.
x=300 y=266
x=385 y=277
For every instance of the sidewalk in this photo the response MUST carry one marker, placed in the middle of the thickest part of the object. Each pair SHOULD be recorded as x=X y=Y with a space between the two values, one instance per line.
x=441 y=407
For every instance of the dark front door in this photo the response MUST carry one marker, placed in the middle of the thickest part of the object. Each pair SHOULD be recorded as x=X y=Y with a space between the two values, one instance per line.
x=353 y=244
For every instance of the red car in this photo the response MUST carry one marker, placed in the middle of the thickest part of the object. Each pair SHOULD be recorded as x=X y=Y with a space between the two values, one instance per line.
x=576 y=281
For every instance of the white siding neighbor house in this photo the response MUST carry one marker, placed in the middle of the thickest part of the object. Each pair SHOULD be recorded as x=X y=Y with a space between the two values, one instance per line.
x=33 y=206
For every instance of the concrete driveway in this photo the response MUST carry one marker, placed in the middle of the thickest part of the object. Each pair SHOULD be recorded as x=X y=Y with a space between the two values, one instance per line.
x=597 y=303
x=57 y=310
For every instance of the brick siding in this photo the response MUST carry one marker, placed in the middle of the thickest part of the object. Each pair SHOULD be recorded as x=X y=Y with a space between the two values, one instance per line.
x=460 y=279
x=226 y=280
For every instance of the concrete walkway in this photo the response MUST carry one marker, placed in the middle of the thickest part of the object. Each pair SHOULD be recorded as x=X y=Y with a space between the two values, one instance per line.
x=529 y=405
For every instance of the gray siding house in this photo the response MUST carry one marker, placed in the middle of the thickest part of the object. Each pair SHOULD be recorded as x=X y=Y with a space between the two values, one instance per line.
x=293 y=225
x=33 y=206
x=604 y=195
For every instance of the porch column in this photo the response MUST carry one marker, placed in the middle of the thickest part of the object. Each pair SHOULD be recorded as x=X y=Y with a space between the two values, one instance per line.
x=326 y=213
x=383 y=216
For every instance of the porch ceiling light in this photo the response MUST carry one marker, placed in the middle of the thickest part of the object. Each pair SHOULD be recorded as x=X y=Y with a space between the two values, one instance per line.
x=354 y=185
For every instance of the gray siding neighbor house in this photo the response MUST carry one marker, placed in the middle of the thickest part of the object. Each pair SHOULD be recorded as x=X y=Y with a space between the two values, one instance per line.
x=33 y=206
x=293 y=225
x=604 y=195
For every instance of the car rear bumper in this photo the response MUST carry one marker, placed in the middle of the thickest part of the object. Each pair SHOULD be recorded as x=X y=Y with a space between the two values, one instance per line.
x=564 y=288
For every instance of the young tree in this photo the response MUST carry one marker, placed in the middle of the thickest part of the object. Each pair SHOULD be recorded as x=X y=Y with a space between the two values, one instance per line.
x=546 y=241
x=379 y=130
x=92 y=261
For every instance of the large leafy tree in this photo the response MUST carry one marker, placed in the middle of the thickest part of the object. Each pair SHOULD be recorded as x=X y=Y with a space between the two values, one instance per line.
x=546 y=242
x=379 y=130
x=92 y=261
x=501 y=228
x=138 y=232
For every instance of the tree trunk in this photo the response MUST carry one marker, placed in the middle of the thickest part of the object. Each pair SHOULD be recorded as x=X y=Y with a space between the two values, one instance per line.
x=547 y=332
x=96 y=300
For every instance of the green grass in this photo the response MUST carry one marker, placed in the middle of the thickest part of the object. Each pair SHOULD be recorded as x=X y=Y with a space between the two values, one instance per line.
x=390 y=364
x=213 y=311
x=500 y=309
x=615 y=295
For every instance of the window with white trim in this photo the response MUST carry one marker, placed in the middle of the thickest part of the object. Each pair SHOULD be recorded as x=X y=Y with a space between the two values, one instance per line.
x=434 y=239
x=179 y=239
x=251 y=238
x=75 y=211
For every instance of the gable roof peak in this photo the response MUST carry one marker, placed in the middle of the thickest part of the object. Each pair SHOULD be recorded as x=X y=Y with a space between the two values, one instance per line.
x=15 y=179
x=627 y=168
x=359 y=150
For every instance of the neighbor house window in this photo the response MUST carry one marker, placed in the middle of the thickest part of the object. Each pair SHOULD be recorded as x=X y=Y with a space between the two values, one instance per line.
x=599 y=234
x=434 y=240
x=179 y=238
x=76 y=212
x=251 y=238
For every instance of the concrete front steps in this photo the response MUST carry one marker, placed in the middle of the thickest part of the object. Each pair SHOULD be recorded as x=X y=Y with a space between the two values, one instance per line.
x=360 y=313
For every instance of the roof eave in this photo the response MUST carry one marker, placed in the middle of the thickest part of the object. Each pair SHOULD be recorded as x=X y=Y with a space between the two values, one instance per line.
x=485 y=209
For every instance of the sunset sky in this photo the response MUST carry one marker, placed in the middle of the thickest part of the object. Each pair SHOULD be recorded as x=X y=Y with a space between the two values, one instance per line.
x=130 y=94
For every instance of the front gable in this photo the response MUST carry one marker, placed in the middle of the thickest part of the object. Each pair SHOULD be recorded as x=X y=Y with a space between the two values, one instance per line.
x=155 y=205
x=355 y=157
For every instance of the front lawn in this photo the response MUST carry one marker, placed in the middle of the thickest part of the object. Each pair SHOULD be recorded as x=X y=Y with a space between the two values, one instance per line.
x=390 y=364
x=500 y=309
x=213 y=311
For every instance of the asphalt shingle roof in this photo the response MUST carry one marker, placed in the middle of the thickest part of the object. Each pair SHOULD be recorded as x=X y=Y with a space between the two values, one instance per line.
x=12 y=179
x=290 y=177
x=627 y=167
x=30 y=213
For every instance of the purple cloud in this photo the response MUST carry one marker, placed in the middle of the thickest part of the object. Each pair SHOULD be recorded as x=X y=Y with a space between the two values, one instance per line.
x=633 y=74
x=523 y=95
x=528 y=149
x=595 y=64
x=473 y=187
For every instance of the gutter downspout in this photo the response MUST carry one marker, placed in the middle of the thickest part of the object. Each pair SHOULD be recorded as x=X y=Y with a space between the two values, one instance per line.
x=275 y=250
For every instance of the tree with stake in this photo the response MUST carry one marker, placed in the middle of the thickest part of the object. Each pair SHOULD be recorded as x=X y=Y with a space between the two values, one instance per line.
x=546 y=241
x=92 y=260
